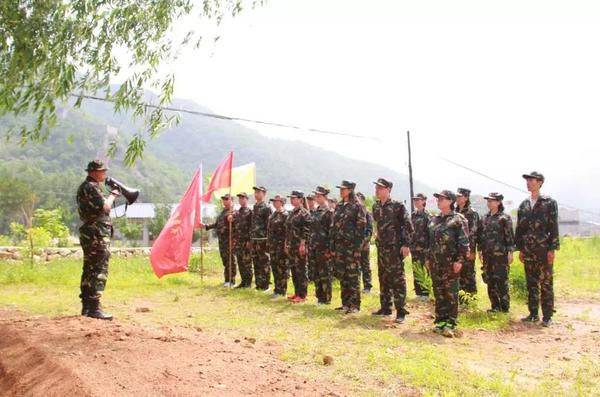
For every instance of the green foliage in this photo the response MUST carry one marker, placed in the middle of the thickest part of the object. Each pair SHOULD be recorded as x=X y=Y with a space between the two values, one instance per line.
x=161 y=216
x=469 y=300
x=51 y=221
x=50 y=50
x=130 y=230
x=423 y=277
x=5 y=240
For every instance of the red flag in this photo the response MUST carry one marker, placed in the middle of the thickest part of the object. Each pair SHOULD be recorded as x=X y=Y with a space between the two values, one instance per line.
x=171 y=251
x=221 y=178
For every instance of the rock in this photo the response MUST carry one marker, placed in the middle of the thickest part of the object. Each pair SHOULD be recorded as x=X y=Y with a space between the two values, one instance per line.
x=327 y=360
x=17 y=255
x=142 y=309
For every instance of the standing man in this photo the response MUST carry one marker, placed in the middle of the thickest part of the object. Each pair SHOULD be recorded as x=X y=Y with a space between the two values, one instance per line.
x=296 y=247
x=537 y=239
x=223 y=223
x=394 y=233
x=418 y=250
x=347 y=236
x=312 y=272
x=277 y=254
x=322 y=218
x=468 y=281
x=94 y=237
x=365 y=254
x=258 y=235
x=242 y=221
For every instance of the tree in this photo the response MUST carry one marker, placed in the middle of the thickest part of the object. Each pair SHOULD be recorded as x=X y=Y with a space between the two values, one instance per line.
x=53 y=49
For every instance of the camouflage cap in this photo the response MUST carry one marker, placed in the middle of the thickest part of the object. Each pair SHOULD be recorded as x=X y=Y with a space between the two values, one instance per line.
x=346 y=185
x=534 y=175
x=463 y=191
x=261 y=188
x=310 y=196
x=450 y=195
x=226 y=197
x=361 y=196
x=384 y=183
x=279 y=198
x=96 y=165
x=494 y=196
x=242 y=194
x=296 y=194
x=321 y=190
x=420 y=196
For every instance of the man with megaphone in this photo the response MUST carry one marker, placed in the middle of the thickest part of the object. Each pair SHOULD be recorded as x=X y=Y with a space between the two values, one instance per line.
x=94 y=237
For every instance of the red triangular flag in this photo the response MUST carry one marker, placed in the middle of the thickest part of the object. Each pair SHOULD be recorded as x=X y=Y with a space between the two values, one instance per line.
x=171 y=251
x=221 y=178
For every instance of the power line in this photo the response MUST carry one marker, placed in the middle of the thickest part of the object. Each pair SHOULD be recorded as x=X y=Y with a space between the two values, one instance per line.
x=233 y=118
x=509 y=185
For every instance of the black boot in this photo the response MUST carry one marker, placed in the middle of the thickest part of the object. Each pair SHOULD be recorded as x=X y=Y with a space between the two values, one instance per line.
x=85 y=306
x=95 y=311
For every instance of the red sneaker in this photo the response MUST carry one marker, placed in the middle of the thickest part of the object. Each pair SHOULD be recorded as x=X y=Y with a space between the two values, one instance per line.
x=298 y=300
x=292 y=297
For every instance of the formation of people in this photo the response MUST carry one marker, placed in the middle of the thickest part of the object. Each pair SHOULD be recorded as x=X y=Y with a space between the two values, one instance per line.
x=321 y=239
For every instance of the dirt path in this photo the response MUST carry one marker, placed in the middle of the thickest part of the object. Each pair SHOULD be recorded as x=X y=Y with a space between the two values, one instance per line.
x=75 y=356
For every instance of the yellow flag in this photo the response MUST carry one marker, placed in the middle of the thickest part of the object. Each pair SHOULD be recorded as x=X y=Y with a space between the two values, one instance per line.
x=243 y=179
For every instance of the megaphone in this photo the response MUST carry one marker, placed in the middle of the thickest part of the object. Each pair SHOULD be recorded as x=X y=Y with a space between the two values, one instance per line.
x=130 y=194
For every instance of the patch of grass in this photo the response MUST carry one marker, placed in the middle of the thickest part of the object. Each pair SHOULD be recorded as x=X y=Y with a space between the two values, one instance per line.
x=371 y=355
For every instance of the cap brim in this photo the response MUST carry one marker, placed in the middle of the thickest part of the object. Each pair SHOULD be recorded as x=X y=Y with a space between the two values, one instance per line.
x=438 y=195
x=528 y=176
x=420 y=198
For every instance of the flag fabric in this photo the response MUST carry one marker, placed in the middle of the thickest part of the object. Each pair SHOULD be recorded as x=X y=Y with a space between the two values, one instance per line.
x=171 y=251
x=221 y=178
x=243 y=179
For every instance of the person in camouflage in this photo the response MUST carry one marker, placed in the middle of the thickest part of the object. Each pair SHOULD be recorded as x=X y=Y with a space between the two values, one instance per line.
x=223 y=224
x=298 y=230
x=322 y=218
x=312 y=271
x=258 y=235
x=242 y=220
x=94 y=237
x=347 y=237
x=277 y=233
x=420 y=219
x=447 y=248
x=365 y=255
x=495 y=243
x=468 y=276
x=537 y=239
x=394 y=233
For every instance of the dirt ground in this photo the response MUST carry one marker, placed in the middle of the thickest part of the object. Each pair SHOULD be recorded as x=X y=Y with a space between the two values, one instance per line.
x=77 y=356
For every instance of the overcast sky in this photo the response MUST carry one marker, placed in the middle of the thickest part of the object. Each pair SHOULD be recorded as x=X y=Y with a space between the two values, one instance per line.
x=504 y=87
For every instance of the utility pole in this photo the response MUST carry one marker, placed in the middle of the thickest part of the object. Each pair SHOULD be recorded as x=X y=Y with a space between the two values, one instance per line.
x=410 y=174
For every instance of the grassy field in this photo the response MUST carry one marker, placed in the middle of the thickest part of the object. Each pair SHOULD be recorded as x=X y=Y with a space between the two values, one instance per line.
x=371 y=356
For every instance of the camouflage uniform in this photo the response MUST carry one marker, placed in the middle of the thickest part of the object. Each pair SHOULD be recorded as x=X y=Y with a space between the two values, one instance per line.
x=448 y=242
x=347 y=236
x=222 y=226
x=242 y=220
x=394 y=230
x=298 y=229
x=94 y=237
x=418 y=249
x=279 y=264
x=536 y=234
x=258 y=233
x=495 y=241
x=468 y=275
x=365 y=254
x=312 y=259
x=322 y=218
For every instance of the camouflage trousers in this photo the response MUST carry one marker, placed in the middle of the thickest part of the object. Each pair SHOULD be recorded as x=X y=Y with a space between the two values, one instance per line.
x=445 y=290
x=229 y=269
x=539 y=275
x=262 y=269
x=279 y=266
x=312 y=263
x=348 y=268
x=244 y=261
x=298 y=268
x=365 y=268
x=392 y=281
x=418 y=258
x=96 y=253
x=468 y=277
x=495 y=274
x=323 y=276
